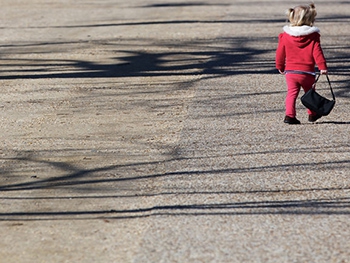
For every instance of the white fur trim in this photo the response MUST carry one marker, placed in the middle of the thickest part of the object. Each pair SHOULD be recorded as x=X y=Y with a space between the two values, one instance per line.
x=297 y=31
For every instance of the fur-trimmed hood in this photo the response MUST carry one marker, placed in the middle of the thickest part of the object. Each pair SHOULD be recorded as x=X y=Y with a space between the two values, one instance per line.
x=297 y=31
x=301 y=36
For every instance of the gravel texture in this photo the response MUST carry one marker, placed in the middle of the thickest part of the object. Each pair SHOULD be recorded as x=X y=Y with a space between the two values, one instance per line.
x=152 y=131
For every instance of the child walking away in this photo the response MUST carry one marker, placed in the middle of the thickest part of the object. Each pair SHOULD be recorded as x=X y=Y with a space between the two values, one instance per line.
x=298 y=51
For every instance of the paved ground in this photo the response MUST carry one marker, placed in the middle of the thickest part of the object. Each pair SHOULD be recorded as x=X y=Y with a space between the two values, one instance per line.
x=151 y=131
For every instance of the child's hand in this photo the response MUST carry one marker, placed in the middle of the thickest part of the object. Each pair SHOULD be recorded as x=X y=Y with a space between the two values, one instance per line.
x=281 y=72
x=323 y=72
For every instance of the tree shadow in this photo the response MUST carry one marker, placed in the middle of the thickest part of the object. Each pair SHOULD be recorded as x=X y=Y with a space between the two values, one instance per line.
x=184 y=4
x=238 y=57
x=336 y=206
x=334 y=122
x=222 y=62
x=76 y=176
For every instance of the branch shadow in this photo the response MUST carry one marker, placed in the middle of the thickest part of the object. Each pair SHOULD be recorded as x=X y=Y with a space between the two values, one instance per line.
x=236 y=59
x=184 y=4
x=221 y=61
x=340 y=206
x=75 y=176
x=334 y=122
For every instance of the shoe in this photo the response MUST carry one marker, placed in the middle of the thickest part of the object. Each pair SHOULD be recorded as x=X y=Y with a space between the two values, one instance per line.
x=313 y=118
x=291 y=120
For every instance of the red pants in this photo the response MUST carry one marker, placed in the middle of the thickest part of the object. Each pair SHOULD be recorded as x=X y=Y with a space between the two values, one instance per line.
x=294 y=83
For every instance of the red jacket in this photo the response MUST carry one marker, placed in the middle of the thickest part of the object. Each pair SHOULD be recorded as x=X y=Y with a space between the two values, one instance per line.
x=299 y=48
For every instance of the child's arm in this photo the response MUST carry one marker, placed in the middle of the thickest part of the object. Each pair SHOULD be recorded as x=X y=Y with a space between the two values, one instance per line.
x=319 y=57
x=280 y=55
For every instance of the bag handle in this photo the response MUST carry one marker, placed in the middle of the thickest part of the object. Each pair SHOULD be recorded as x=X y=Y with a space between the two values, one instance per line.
x=329 y=82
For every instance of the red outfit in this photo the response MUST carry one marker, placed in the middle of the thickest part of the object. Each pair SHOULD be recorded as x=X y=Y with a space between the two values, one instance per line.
x=294 y=82
x=299 y=49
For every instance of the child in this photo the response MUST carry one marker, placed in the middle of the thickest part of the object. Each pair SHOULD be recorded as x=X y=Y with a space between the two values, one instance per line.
x=298 y=51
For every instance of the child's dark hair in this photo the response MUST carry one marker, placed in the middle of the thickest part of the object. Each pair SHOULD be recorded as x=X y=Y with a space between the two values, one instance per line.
x=302 y=15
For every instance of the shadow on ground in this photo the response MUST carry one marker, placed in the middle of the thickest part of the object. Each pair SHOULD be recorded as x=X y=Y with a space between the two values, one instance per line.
x=233 y=56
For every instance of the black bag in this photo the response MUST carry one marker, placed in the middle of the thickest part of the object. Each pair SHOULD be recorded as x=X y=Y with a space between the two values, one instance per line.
x=315 y=102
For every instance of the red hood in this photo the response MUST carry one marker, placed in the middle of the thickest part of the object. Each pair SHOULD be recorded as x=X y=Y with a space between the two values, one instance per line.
x=301 y=41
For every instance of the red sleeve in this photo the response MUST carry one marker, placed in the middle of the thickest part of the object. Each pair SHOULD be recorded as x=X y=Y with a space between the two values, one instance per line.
x=318 y=54
x=280 y=54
